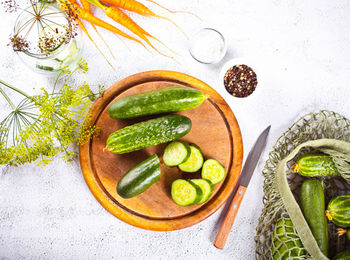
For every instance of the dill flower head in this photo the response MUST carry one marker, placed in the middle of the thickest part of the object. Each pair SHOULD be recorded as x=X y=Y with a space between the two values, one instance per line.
x=48 y=124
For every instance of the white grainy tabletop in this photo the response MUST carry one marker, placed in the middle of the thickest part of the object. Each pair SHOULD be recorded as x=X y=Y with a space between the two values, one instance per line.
x=302 y=50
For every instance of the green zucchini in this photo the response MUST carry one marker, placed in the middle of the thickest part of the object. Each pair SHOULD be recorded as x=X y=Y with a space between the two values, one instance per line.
x=139 y=178
x=185 y=193
x=338 y=211
x=206 y=186
x=345 y=255
x=312 y=201
x=194 y=162
x=176 y=153
x=147 y=133
x=287 y=245
x=164 y=100
x=315 y=165
x=213 y=171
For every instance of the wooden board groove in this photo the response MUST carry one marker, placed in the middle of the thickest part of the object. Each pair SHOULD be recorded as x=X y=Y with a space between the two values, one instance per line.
x=154 y=209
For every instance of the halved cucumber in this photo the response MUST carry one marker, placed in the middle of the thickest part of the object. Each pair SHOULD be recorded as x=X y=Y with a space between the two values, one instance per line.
x=213 y=171
x=176 y=153
x=206 y=187
x=185 y=193
x=52 y=37
x=194 y=162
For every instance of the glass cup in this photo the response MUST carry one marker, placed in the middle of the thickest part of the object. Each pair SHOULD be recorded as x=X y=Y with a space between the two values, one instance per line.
x=52 y=41
x=207 y=46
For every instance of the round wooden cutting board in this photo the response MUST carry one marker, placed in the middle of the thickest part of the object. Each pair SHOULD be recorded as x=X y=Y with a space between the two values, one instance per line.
x=214 y=129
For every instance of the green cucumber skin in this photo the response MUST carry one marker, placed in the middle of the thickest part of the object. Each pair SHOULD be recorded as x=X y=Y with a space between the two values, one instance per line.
x=312 y=200
x=280 y=235
x=345 y=255
x=164 y=100
x=199 y=192
x=209 y=194
x=147 y=133
x=339 y=209
x=316 y=165
x=139 y=178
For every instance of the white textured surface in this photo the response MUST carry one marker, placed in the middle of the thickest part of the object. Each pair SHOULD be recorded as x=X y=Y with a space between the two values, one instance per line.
x=302 y=51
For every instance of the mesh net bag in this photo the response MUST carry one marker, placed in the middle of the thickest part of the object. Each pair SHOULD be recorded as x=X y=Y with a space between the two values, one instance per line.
x=282 y=231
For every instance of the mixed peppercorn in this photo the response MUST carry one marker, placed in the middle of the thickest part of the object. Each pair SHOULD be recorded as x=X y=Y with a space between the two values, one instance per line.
x=240 y=81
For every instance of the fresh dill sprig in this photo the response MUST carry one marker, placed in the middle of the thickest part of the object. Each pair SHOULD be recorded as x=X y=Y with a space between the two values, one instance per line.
x=45 y=125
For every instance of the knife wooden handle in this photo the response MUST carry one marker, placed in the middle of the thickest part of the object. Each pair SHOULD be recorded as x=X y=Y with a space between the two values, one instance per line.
x=230 y=217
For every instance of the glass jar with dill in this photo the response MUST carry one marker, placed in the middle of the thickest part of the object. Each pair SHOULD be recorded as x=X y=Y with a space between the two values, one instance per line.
x=45 y=39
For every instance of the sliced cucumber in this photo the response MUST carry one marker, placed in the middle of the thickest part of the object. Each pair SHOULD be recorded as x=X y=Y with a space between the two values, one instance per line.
x=176 y=153
x=213 y=171
x=185 y=193
x=42 y=67
x=206 y=187
x=194 y=162
x=52 y=37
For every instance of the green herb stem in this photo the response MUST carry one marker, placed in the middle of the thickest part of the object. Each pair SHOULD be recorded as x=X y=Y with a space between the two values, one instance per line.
x=7 y=99
x=15 y=89
x=56 y=81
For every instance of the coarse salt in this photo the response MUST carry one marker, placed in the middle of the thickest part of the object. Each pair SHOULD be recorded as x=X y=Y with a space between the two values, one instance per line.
x=207 y=46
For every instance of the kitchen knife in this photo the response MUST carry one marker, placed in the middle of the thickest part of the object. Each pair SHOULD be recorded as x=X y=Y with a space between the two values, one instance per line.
x=246 y=175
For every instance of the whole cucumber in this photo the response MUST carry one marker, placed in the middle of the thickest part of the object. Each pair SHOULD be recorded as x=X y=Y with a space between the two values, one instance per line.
x=338 y=211
x=313 y=206
x=315 y=165
x=147 y=133
x=287 y=245
x=345 y=255
x=164 y=100
x=139 y=178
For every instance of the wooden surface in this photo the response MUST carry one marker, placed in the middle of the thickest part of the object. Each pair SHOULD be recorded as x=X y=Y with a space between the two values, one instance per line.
x=230 y=217
x=214 y=130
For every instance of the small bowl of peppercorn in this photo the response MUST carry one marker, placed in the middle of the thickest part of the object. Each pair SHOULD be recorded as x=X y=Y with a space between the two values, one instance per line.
x=238 y=78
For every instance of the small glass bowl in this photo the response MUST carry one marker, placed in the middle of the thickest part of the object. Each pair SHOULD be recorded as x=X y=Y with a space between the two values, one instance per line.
x=66 y=54
x=207 y=46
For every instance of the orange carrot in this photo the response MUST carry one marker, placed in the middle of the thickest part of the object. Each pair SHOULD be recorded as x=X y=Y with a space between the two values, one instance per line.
x=81 y=25
x=87 y=8
x=120 y=17
x=175 y=12
x=86 y=5
x=88 y=35
x=71 y=7
x=137 y=7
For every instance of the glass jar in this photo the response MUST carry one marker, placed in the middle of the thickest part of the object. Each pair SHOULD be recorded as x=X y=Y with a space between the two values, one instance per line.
x=51 y=42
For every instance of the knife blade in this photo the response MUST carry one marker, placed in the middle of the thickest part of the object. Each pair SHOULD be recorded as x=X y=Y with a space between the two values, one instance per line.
x=243 y=182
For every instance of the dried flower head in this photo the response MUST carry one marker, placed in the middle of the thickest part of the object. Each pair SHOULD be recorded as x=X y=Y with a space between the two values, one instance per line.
x=46 y=26
x=10 y=6
x=18 y=43
x=69 y=8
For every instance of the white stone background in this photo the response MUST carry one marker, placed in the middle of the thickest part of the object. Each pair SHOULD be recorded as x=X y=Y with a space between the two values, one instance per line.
x=302 y=52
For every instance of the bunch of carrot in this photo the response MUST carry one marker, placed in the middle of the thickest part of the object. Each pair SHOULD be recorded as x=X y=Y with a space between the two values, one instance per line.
x=113 y=11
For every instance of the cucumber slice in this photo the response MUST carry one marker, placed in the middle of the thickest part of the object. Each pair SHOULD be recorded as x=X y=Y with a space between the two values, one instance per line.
x=194 y=162
x=213 y=171
x=185 y=193
x=206 y=187
x=42 y=67
x=52 y=37
x=176 y=153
